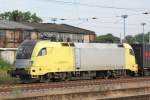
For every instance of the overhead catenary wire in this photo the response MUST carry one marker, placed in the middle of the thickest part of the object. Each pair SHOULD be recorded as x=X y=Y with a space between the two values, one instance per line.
x=116 y=19
x=96 y=18
x=98 y=6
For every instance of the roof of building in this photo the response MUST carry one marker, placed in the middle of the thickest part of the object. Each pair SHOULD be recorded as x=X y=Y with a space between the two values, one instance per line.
x=43 y=27
x=61 y=28
x=4 y=24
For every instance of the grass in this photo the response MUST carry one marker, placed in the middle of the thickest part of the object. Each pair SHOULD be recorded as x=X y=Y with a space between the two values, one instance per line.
x=5 y=78
x=5 y=65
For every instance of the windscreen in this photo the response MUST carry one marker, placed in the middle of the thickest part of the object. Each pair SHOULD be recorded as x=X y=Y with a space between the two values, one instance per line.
x=26 y=49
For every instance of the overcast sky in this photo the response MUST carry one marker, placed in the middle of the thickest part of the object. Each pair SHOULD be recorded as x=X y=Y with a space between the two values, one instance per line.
x=80 y=13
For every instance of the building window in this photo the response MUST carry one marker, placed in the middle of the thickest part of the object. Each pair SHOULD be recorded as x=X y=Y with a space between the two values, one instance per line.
x=2 y=33
x=52 y=36
x=26 y=35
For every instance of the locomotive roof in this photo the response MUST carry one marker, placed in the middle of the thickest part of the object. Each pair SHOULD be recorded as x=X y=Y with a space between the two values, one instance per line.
x=79 y=45
x=96 y=45
x=48 y=43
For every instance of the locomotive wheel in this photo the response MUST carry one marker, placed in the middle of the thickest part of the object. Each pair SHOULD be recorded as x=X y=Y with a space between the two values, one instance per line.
x=110 y=74
x=26 y=79
x=68 y=76
x=45 y=78
x=107 y=75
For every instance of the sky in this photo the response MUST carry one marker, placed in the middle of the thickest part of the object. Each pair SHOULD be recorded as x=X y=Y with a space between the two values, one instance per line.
x=80 y=13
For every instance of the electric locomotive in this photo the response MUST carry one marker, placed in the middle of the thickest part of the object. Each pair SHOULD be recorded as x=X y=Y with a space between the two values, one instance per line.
x=46 y=61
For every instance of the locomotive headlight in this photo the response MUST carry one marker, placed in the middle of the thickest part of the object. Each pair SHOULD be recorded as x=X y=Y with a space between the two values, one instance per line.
x=30 y=63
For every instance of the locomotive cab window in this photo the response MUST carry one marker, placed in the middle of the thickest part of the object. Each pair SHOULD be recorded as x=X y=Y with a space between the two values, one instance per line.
x=131 y=52
x=42 y=52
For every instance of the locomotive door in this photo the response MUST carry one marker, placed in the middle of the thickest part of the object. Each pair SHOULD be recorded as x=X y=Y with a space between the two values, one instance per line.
x=77 y=55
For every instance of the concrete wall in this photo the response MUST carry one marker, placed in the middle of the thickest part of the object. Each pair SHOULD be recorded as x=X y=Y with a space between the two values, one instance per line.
x=8 y=54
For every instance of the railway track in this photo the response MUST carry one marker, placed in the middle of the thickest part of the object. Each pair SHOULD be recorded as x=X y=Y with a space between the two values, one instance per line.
x=141 y=97
x=62 y=84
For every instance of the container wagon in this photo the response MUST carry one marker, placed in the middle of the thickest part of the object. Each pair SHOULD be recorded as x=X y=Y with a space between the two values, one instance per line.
x=142 y=55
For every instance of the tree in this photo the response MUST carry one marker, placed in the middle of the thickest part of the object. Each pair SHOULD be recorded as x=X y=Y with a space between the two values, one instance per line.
x=130 y=39
x=108 y=38
x=20 y=16
x=138 y=38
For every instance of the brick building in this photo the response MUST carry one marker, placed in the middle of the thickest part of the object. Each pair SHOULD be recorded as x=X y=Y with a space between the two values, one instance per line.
x=13 y=33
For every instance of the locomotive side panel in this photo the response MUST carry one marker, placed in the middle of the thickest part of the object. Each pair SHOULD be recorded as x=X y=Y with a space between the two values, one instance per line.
x=56 y=60
x=100 y=59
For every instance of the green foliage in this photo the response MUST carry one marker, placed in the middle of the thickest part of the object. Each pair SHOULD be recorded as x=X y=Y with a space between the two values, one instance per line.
x=4 y=77
x=34 y=18
x=130 y=39
x=7 y=79
x=5 y=65
x=20 y=16
x=108 y=38
x=137 y=38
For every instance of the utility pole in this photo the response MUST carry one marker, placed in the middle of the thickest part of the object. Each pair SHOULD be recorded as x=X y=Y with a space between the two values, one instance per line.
x=120 y=38
x=124 y=17
x=143 y=24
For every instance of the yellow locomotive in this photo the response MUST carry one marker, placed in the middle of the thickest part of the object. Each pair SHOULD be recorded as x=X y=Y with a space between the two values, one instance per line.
x=44 y=60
